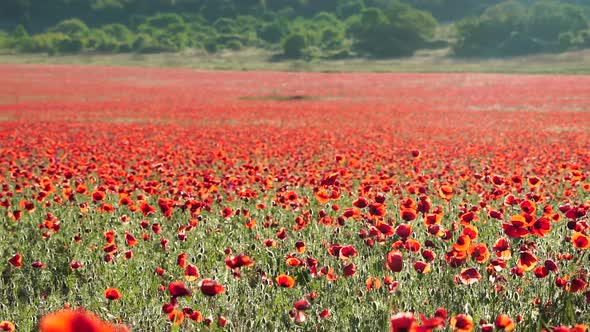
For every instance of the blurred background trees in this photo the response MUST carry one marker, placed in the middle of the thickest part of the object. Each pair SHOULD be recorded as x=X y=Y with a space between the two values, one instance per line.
x=295 y=28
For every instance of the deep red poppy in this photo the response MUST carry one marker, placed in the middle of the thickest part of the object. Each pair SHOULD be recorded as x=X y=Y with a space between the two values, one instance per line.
x=210 y=287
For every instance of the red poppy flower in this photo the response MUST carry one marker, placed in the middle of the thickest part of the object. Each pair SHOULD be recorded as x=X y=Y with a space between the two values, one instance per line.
x=403 y=230
x=98 y=196
x=300 y=247
x=428 y=324
x=577 y=284
x=504 y=322
x=191 y=273
x=518 y=227
x=294 y=261
x=469 y=276
x=421 y=267
x=360 y=202
x=38 y=265
x=462 y=323
x=479 y=252
x=112 y=294
x=372 y=283
x=16 y=260
x=349 y=270
x=17 y=214
x=177 y=289
x=403 y=322
x=462 y=244
x=284 y=280
x=146 y=209
x=7 y=326
x=75 y=321
x=395 y=261
x=502 y=248
x=211 y=287
x=130 y=239
x=181 y=260
x=446 y=192
x=527 y=260
x=408 y=214
x=322 y=196
x=324 y=314
x=534 y=181
x=541 y=227
x=346 y=252
x=581 y=240
x=377 y=209
x=74 y=265
x=301 y=305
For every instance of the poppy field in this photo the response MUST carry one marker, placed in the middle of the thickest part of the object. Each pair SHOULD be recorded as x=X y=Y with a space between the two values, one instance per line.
x=182 y=200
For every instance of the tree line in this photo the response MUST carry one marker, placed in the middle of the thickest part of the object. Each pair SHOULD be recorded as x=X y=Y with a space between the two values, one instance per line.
x=295 y=28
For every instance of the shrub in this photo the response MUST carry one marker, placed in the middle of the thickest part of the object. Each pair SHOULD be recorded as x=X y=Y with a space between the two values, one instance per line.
x=294 y=45
x=74 y=28
x=271 y=32
x=395 y=30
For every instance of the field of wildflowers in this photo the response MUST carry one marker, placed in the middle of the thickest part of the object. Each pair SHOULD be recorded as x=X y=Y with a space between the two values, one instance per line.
x=174 y=199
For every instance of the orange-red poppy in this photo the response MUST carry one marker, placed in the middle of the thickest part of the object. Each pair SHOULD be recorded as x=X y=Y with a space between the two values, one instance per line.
x=181 y=260
x=322 y=196
x=479 y=252
x=408 y=214
x=76 y=321
x=534 y=181
x=112 y=294
x=300 y=247
x=294 y=261
x=372 y=283
x=446 y=192
x=518 y=226
x=421 y=267
x=7 y=326
x=377 y=209
x=191 y=273
x=502 y=248
x=504 y=322
x=16 y=260
x=462 y=244
x=462 y=323
x=581 y=240
x=98 y=196
x=527 y=261
x=284 y=280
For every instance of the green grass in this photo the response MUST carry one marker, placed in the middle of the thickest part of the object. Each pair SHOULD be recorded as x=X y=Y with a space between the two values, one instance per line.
x=577 y=62
x=249 y=303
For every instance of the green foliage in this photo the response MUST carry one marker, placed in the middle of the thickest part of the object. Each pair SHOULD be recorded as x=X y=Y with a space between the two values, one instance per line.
x=382 y=28
x=395 y=30
x=4 y=40
x=272 y=32
x=512 y=29
x=548 y=19
x=73 y=28
x=294 y=45
x=349 y=8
